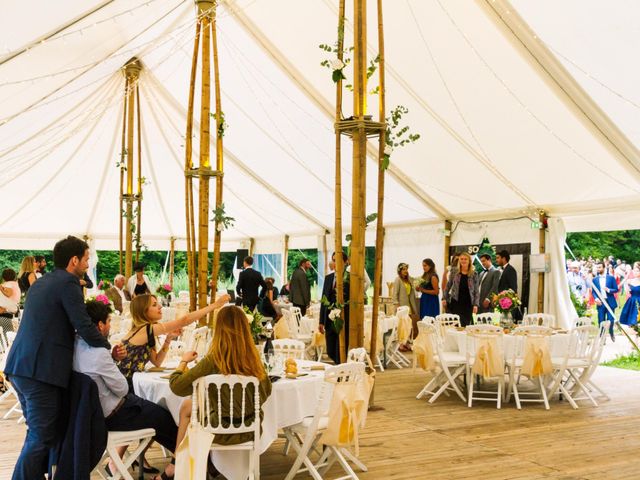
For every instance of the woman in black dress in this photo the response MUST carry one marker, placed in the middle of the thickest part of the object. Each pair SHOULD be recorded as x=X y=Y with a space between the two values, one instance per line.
x=462 y=292
x=268 y=294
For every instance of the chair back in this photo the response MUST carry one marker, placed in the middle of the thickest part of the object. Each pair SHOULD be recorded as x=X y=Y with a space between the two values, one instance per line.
x=485 y=350
x=539 y=319
x=527 y=337
x=488 y=318
x=289 y=347
x=296 y=314
x=3 y=342
x=445 y=321
x=357 y=355
x=207 y=399
x=292 y=324
x=200 y=341
x=584 y=341
x=580 y=322
x=428 y=320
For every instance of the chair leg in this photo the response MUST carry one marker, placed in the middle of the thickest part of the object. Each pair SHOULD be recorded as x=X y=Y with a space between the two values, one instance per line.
x=355 y=460
x=469 y=389
x=543 y=391
x=345 y=465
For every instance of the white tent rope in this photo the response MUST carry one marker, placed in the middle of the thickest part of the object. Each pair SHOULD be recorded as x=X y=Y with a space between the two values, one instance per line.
x=484 y=158
x=105 y=171
x=28 y=164
x=527 y=110
x=50 y=180
x=56 y=123
x=234 y=159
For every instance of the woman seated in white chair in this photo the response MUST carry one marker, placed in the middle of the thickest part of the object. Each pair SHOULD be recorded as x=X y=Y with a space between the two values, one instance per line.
x=232 y=353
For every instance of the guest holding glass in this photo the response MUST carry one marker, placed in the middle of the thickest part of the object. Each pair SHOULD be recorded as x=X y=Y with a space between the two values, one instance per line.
x=461 y=295
x=429 y=287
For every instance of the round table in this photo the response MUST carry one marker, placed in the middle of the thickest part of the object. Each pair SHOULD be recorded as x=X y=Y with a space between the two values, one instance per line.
x=289 y=403
x=456 y=341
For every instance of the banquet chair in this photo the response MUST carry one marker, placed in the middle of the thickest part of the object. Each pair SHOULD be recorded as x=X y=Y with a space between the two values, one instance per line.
x=539 y=319
x=393 y=347
x=10 y=391
x=451 y=365
x=231 y=383
x=429 y=320
x=584 y=345
x=586 y=374
x=293 y=319
x=199 y=341
x=296 y=313
x=445 y=321
x=579 y=322
x=304 y=436
x=529 y=342
x=289 y=347
x=488 y=318
x=360 y=355
x=485 y=357
x=121 y=439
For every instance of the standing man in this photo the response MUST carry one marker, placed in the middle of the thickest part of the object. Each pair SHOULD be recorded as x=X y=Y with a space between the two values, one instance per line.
x=41 y=265
x=117 y=293
x=509 y=278
x=489 y=280
x=603 y=288
x=249 y=281
x=40 y=360
x=332 y=337
x=299 y=286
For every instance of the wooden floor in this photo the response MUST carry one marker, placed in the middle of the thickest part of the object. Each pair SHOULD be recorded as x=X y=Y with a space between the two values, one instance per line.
x=411 y=439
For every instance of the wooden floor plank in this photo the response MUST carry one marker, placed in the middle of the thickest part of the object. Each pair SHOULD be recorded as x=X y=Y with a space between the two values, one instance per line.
x=412 y=439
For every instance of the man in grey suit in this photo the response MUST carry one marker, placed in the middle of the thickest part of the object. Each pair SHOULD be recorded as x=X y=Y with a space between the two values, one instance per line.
x=299 y=286
x=489 y=280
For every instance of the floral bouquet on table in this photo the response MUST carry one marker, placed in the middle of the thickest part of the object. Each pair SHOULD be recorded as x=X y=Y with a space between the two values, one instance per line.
x=164 y=290
x=100 y=298
x=255 y=322
x=104 y=285
x=506 y=301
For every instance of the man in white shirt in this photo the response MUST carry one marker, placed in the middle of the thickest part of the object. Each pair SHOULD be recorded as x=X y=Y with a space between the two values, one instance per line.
x=123 y=411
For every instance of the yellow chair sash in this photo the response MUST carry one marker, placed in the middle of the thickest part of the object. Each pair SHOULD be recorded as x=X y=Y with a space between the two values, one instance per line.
x=423 y=353
x=281 y=329
x=404 y=329
x=318 y=340
x=488 y=362
x=537 y=359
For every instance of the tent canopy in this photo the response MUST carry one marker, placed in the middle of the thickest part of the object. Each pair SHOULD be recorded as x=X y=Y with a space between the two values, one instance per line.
x=520 y=107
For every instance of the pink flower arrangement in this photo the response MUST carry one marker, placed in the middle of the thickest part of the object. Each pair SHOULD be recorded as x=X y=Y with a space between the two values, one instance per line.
x=506 y=301
x=164 y=290
x=167 y=287
x=104 y=299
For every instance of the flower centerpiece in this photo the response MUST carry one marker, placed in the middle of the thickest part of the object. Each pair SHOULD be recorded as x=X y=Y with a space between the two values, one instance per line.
x=164 y=290
x=104 y=285
x=255 y=322
x=506 y=302
x=102 y=299
x=335 y=313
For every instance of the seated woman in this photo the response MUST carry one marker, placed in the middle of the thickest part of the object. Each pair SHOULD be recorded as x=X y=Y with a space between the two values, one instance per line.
x=232 y=353
x=268 y=295
x=140 y=342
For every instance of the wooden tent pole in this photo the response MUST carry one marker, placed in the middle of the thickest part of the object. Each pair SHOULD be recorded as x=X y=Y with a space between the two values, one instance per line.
x=121 y=207
x=339 y=275
x=377 y=281
x=285 y=260
x=205 y=160
x=217 y=236
x=132 y=70
x=359 y=173
x=172 y=259
x=447 y=243
x=188 y=166
x=542 y=246
x=139 y=199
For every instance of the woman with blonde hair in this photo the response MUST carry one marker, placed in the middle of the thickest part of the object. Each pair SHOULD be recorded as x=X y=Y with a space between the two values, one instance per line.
x=140 y=342
x=27 y=273
x=461 y=295
x=232 y=353
x=404 y=295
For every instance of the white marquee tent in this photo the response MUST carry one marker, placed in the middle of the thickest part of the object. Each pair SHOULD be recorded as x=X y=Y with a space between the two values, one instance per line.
x=521 y=106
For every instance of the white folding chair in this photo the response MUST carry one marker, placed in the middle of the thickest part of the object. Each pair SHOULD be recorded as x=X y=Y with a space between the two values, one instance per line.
x=477 y=337
x=488 y=318
x=539 y=319
x=289 y=347
x=293 y=318
x=445 y=321
x=523 y=337
x=244 y=420
x=596 y=353
x=120 y=439
x=429 y=320
x=451 y=364
x=579 y=322
x=393 y=348
x=304 y=435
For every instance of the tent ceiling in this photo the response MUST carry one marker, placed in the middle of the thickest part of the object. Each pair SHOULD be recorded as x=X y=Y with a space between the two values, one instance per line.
x=498 y=139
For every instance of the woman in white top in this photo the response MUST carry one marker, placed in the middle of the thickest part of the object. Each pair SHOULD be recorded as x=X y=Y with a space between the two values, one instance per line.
x=139 y=284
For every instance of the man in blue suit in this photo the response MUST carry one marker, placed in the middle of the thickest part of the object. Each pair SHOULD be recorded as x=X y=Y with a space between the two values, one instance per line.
x=40 y=360
x=603 y=288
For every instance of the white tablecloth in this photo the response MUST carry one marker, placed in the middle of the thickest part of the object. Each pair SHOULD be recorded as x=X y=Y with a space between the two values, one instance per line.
x=289 y=403
x=456 y=341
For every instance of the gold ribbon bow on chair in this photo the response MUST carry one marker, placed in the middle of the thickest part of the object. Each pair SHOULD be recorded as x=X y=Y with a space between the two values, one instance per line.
x=537 y=359
x=345 y=412
x=423 y=352
x=488 y=361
